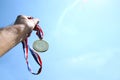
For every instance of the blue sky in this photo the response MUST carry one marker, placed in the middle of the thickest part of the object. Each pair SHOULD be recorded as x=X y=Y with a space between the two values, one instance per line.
x=83 y=36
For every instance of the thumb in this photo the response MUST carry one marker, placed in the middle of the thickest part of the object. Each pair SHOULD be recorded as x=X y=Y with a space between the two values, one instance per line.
x=36 y=21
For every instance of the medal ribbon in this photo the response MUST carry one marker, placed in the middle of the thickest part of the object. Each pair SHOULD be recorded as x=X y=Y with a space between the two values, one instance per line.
x=35 y=55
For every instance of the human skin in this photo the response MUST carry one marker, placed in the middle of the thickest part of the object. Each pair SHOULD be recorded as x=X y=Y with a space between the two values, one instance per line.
x=10 y=36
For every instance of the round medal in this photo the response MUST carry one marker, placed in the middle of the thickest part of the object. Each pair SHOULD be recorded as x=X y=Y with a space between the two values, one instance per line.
x=40 y=46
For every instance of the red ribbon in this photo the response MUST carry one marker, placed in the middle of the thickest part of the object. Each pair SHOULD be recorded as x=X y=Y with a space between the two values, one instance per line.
x=35 y=55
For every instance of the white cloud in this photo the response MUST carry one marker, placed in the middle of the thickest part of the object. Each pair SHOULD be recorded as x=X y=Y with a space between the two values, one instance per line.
x=93 y=59
x=100 y=65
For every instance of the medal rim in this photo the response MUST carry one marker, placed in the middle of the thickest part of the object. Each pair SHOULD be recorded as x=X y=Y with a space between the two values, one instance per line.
x=39 y=50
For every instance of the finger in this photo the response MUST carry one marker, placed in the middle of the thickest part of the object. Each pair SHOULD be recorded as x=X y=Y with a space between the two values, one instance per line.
x=24 y=17
x=35 y=20
x=20 y=18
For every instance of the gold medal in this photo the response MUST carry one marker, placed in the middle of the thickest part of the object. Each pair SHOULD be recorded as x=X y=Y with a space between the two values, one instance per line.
x=40 y=45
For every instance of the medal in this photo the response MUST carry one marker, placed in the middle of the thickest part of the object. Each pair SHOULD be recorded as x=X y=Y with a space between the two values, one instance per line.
x=40 y=46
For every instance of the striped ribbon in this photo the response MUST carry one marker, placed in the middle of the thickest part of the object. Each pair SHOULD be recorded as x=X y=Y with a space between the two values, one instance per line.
x=35 y=55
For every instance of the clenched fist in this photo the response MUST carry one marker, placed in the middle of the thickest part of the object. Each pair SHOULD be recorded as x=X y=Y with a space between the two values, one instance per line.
x=28 y=21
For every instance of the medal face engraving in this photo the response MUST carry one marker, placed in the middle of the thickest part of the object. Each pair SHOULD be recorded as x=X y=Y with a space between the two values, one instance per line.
x=40 y=46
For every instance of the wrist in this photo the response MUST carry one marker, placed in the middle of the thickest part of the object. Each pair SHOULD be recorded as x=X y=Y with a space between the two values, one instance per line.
x=22 y=31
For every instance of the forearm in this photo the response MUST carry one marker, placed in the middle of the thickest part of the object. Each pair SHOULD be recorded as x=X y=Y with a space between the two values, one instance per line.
x=11 y=36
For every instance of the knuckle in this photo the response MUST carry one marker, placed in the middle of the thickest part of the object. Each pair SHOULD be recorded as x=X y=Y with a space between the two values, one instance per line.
x=19 y=16
x=37 y=22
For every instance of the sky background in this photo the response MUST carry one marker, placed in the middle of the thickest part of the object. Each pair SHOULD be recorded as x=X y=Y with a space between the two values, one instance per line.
x=83 y=37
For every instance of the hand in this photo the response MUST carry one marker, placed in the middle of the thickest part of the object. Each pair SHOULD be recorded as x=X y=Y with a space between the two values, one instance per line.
x=28 y=21
x=16 y=33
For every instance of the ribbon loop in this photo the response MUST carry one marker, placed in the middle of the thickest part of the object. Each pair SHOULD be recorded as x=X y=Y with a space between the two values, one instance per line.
x=35 y=55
